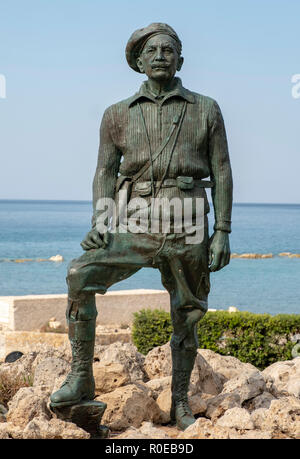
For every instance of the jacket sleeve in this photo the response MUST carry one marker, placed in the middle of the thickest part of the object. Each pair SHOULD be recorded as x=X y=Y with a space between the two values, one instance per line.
x=220 y=170
x=108 y=164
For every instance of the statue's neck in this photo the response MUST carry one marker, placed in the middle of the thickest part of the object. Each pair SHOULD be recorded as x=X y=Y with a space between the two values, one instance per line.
x=160 y=87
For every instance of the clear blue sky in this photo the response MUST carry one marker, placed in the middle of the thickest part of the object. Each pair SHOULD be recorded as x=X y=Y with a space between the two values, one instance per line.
x=64 y=63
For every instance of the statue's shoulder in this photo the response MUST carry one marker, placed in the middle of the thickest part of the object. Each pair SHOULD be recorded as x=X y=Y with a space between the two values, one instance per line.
x=116 y=114
x=207 y=106
x=204 y=101
x=120 y=106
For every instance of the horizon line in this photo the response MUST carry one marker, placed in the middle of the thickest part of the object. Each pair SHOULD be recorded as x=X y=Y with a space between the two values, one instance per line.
x=90 y=201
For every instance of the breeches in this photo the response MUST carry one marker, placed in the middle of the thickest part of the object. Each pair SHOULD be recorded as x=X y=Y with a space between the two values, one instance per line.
x=184 y=273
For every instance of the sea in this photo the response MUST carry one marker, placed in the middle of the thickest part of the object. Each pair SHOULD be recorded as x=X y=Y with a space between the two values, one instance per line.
x=42 y=229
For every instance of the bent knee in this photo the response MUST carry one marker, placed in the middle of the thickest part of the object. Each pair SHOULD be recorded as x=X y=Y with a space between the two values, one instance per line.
x=75 y=277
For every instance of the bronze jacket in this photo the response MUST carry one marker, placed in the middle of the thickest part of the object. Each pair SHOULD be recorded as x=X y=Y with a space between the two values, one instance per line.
x=132 y=127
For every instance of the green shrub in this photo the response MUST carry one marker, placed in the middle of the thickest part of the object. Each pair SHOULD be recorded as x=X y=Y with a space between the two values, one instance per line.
x=151 y=328
x=260 y=339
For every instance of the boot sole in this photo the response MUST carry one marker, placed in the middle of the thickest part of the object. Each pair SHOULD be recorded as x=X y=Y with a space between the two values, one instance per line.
x=71 y=402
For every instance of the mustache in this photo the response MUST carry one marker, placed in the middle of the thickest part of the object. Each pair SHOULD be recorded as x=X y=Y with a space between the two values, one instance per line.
x=160 y=66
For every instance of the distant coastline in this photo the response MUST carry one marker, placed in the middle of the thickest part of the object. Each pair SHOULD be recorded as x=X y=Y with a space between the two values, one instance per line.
x=40 y=229
x=83 y=201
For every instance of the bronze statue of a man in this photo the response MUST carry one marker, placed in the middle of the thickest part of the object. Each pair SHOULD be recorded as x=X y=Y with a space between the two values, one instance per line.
x=160 y=143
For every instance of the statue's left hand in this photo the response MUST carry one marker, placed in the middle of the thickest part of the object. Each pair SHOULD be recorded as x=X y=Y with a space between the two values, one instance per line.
x=219 y=250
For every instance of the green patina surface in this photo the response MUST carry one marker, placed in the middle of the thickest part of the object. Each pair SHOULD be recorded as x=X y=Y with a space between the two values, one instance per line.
x=161 y=142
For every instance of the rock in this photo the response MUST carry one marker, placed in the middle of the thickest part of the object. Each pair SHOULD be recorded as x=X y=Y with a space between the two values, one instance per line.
x=236 y=418
x=158 y=364
x=282 y=418
x=43 y=428
x=21 y=368
x=146 y=431
x=107 y=338
x=218 y=405
x=261 y=401
x=233 y=309
x=48 y=370
x=125 y=354
x=237 y=400
x=258 y=417
x=251 y=435
x=204 y=378
x=204 y=429
x=197 y=404
x=54 y=324
x=109 y=376
x=4 y=433
x=56 y=258
x=164 y=401
x=255 y=255
x=152 y=431
x=22 y=260
x=158 y=385
x=28 y=402
x=226 y=367
x=25 y=367
x=133 y=434
x=44 y=351
x=129 y=406
x=283 y=378
x=9 y=430
x=247 y=386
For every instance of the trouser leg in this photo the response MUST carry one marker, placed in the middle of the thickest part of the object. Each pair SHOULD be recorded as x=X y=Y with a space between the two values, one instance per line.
x=83 y=281
x=79 y=384
x=184 y=345
x=187 y=281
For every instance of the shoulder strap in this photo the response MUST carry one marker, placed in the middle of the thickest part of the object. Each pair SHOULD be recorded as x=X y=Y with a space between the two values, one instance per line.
x=155 y=155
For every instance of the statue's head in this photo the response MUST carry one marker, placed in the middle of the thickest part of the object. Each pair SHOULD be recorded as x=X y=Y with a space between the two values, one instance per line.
x=155 y=51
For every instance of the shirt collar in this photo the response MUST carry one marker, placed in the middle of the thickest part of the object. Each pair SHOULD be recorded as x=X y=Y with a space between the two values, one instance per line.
x=176 y=90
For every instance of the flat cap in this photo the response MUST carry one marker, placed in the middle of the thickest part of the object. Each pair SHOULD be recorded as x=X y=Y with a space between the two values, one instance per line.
x=137 y=40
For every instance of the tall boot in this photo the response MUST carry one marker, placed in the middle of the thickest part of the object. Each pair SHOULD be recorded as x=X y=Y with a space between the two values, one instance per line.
x=79 y=384
x=182 y=367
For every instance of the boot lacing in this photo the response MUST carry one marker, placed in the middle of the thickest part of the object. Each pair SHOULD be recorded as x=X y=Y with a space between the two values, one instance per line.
x=183 y=409
x=77 y=347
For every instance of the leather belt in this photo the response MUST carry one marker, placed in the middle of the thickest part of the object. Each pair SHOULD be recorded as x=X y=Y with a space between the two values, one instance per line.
x=181 y=182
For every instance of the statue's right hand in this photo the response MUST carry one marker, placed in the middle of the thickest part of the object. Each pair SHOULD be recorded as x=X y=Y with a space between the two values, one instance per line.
x=93 y=240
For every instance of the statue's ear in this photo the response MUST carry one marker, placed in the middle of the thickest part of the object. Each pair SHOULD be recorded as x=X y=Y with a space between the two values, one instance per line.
x=180 y=63
x=140 y=65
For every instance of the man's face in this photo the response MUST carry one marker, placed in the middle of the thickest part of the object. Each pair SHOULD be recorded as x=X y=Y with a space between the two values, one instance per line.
x=159 y=59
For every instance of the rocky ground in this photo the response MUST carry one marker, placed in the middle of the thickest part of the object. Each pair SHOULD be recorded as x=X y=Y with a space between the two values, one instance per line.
x=230 y=399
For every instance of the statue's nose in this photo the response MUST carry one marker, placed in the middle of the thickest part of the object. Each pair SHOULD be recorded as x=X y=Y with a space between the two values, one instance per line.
x=159 y=56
